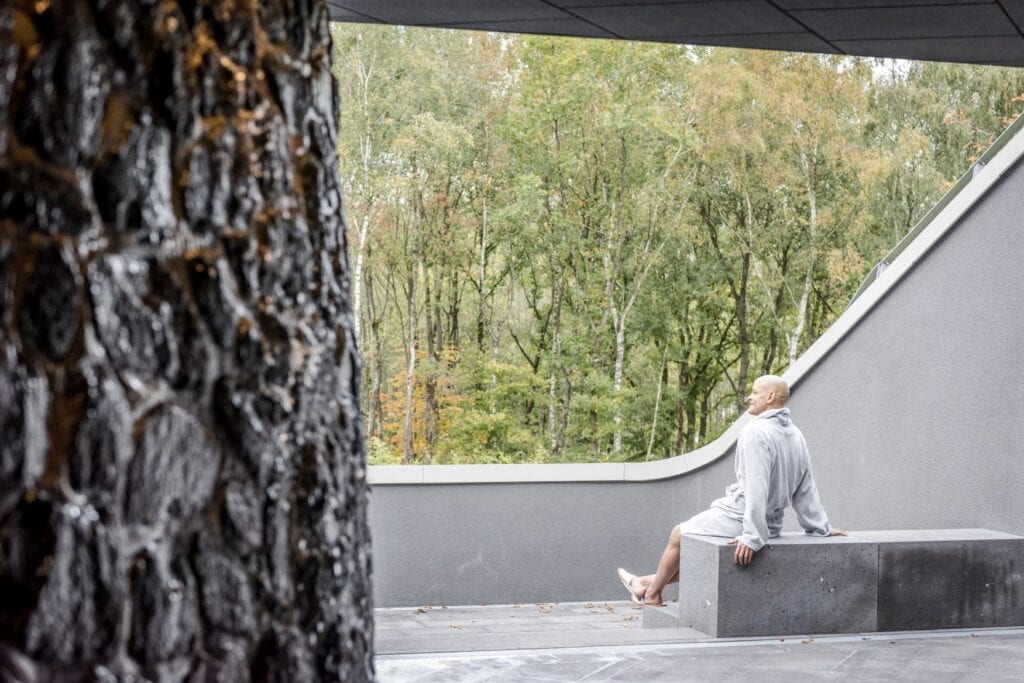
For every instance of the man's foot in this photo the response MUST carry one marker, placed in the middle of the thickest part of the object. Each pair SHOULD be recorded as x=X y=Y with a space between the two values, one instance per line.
x=628 y=580
x=651 y=600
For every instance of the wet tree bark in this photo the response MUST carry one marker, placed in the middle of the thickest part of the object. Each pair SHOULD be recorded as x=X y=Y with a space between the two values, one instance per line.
x=182 y=479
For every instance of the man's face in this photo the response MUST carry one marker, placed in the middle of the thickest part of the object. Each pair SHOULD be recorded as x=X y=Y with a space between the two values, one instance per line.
x=758 y=399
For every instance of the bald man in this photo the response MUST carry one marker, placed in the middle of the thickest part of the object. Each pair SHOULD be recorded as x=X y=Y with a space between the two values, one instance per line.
x=773 y=471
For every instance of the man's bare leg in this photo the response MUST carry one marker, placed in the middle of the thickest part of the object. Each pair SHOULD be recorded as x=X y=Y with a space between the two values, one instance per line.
x=668 y=572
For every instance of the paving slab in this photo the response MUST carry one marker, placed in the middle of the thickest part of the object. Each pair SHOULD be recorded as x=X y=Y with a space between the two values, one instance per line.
x=990 y=655
x=505 y=627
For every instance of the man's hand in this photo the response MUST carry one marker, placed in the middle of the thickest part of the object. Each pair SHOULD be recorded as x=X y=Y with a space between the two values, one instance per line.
x=744 y=554
x=837 y=532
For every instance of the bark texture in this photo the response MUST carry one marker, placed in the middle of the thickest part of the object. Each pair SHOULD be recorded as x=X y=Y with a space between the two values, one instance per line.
x=182 y=478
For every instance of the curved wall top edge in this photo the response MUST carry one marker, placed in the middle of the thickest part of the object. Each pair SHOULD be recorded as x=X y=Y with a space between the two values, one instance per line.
x=987 y=177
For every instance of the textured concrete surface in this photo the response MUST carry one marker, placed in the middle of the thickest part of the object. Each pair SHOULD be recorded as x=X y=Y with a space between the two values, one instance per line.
x=699 y=572
x=660 y=617
x=796 y=584
x=967 y=582
x=867 y=581
x=477 y=644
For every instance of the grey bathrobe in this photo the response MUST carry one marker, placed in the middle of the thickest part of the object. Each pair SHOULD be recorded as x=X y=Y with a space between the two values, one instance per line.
x=773 y=471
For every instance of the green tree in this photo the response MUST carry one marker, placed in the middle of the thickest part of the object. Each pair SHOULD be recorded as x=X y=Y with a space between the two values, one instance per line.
x=585 y=250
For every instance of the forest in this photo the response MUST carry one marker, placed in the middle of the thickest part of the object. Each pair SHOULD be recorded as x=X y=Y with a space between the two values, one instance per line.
x=573 y=250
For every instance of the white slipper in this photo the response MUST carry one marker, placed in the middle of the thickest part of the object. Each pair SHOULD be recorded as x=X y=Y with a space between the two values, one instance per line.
x=627 y=580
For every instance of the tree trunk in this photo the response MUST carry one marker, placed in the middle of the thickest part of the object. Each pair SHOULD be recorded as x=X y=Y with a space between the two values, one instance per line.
x=778 y=304
x=430 y=413
x=365 y=153
x=657 y=403
x=682 y=416
x=556 y=356
x=742 y=301
x=809 y=166
x=375 y=417
x=410 y=360
x=743 y=333
x=563 y=423
x=482 y=307
x=357 y=276
x=182 y=482
x=801 y=311
x=704 y=410
x=453 y=338
x=620 y=359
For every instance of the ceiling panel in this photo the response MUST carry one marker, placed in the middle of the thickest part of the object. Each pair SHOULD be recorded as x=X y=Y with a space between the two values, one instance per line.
x=908 y=22
x=977 y=31
x=573 y=4
x=694 y=19
x=794 y=42
x=340 y=14
x=550 y=27
x=983 y=50
x=861 y=4
x=420 y=12
x=1015 y=10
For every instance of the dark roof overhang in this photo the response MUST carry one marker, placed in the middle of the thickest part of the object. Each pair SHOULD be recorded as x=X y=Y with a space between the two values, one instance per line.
x=975 y=31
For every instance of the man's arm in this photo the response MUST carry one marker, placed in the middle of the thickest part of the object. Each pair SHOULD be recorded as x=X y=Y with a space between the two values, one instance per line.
x=808 y=510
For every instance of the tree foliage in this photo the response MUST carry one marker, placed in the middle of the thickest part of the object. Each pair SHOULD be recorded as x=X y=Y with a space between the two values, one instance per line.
x=571 y=250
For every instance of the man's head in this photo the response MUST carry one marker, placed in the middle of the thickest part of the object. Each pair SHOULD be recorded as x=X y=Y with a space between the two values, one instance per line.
x=768 y=392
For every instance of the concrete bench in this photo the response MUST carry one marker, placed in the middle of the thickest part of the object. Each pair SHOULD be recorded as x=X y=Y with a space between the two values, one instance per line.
x=865 y=582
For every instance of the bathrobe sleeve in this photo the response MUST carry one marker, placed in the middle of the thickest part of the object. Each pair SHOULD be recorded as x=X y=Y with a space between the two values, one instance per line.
x=753 y=464
x=808 y=508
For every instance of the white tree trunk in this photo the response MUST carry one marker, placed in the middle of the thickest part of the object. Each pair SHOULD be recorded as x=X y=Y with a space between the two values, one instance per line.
x=556 y=352
x=410 y=369
x=657 y=404
x=801 y=312
x=619 y=322
x=483 y=259
x=357 y=275
x=805 y=295
x=365 y=152
x=620 y=358
x=371 y=403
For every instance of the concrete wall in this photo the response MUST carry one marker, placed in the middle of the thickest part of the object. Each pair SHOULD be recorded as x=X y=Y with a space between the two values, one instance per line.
x=913 y=420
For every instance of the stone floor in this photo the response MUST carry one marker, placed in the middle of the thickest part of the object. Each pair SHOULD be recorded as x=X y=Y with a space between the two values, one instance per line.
x=516 y=627
x=598 y=641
